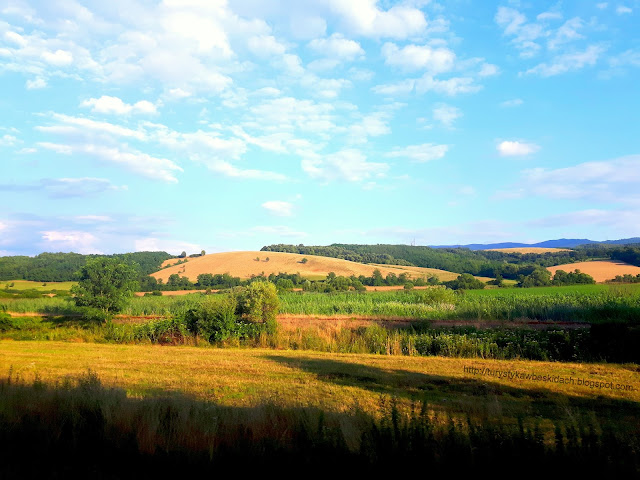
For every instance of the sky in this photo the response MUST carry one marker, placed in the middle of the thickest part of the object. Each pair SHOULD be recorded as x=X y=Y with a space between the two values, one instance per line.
x=134 y=125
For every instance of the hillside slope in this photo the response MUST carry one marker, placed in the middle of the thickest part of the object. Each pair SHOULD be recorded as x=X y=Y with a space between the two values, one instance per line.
x=600 y=270
x=244 y=265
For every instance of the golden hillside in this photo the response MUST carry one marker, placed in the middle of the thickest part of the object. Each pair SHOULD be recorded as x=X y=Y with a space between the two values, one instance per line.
x=244 y=265
x=524 y=250
x=600 y=270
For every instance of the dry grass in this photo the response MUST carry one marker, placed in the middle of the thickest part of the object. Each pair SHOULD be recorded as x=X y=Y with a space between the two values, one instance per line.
x=42 y=286
x=244 y=265
x=600 y=270
x=334 y=382
x=523 y=250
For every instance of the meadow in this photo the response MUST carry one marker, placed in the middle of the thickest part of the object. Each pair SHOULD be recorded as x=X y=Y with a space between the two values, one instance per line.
x=369 y=379
x=202 y=409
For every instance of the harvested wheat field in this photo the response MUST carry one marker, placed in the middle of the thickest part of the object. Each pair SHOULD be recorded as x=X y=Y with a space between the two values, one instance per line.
x=245 y=264
x=600 y=270
x=524 y=250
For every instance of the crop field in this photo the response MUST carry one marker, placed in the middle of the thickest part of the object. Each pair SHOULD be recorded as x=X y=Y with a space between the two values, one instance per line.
x=244 y=265
x=42 y=286
x=600 y=270
x=584 y=303
x=524 y=250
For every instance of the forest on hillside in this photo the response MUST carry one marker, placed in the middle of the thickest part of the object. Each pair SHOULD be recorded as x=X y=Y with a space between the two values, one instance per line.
x=61 y=267
x=463 y=260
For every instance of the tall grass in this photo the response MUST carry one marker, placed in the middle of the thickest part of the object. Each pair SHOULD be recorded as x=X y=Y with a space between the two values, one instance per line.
x=80 y=426
x=551 y=304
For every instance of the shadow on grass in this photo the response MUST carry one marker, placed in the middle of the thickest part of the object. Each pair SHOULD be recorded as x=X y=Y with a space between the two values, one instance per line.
x=83 y=428
x=477 y=395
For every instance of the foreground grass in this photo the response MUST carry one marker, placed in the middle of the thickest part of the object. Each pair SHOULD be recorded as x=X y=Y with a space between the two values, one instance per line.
x=333 y=382
x=144 y=411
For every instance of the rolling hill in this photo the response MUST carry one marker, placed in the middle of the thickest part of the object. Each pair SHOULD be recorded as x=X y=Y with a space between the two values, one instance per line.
x=600 y=270
x=244 y=265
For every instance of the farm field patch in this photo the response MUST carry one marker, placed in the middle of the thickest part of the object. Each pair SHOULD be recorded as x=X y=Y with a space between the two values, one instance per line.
x=245 y=264
x=600 y=270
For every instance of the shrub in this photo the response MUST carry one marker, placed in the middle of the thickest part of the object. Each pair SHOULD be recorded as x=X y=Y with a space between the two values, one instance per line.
x=214 y=319
x=258 y=303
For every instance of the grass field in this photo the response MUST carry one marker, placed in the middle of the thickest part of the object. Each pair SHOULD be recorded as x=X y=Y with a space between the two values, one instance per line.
x=333 y=382
x=244 y=265
x=41 y=286
x=600 y=270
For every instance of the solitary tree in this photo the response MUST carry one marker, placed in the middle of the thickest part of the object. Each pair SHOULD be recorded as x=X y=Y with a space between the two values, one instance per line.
x=105 y=284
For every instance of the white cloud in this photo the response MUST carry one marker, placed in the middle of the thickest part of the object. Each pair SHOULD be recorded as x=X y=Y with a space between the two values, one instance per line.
x=612 y=181
x=629 y=58
x=515 y=148
x=602 y=5
x=337 y=46
x=363 y=17
x=415 y=57
x=8 y=140
x=93 y=218
x=568 y=62
x=77 y=187
x=488 y=70
x=420 y=153
x=278 y=208
x=59 y=58
x=174 y=247
x=446 y=114
x=265 y=46
x=452 y=86
x=136 y=161
x=72 y=240
x=114 y=105
x=349 y=165
x=515 y=102
x=36 y=84
x=623 y=10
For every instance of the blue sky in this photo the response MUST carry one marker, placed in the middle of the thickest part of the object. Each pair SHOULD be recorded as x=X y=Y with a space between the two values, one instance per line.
x=228 y=125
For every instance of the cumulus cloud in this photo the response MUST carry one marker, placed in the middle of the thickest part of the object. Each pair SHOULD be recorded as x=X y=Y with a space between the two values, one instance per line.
x=70 y=240
x=515 y=148
x=337 y=46
x=114 y=105
x=278 y=208
x=36 y=84
x=446 y=114
x=420 y=153
x=416 y=57
x=363 y=17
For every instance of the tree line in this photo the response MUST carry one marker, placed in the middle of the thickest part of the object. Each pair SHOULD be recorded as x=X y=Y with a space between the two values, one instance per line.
x=62 y=267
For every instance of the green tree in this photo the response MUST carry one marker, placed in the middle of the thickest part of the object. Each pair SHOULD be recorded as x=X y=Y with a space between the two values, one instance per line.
x=258 y=303
x=105 y=284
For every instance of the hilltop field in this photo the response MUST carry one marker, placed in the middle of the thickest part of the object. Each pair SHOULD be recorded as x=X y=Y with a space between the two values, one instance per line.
x=600 y=270
x=246 y=264
x=525 y=250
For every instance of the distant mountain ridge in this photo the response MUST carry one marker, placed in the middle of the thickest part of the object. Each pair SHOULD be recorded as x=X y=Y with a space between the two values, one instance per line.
x=559 y=243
